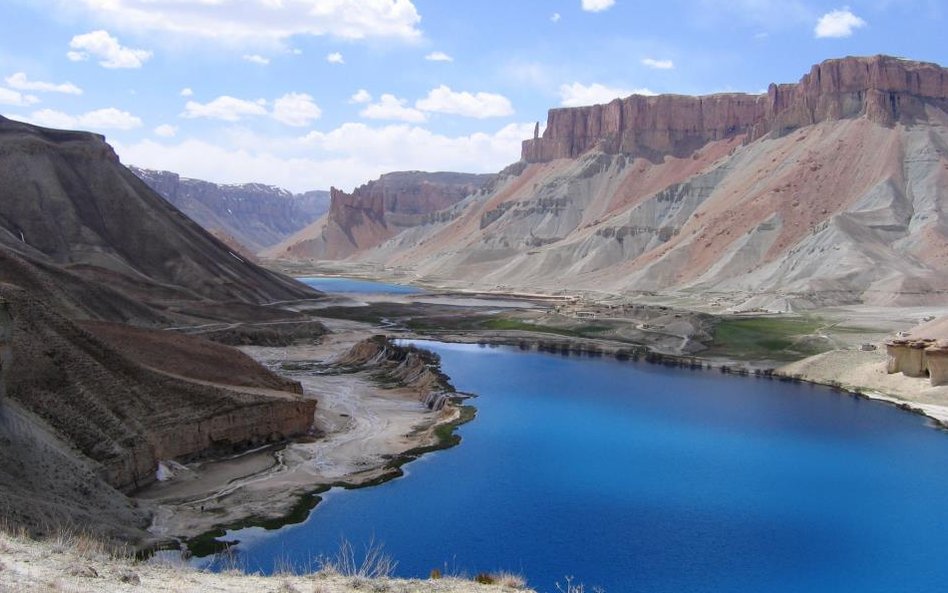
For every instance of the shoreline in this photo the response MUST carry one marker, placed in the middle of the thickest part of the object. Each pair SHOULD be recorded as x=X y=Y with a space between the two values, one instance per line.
x=366 y=430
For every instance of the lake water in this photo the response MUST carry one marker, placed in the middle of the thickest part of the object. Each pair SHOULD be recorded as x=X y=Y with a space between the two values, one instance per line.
x=356 y=286
x=635 y=477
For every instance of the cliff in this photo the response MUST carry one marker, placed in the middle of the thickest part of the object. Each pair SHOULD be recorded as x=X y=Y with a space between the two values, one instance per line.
x=377 y=211
x=883 y=89
x=95 y=405
x=828 y=191
x=255 y=215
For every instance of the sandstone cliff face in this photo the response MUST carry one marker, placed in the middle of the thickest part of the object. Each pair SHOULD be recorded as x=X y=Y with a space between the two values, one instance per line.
x=255 y=215
x=830 y=197
x=883 y=89
x=377 y=211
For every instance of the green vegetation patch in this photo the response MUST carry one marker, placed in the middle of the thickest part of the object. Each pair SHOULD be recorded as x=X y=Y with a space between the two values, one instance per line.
x=766 y=338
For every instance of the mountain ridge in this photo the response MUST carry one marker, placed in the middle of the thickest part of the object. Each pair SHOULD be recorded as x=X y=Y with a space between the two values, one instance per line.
x=833 y=195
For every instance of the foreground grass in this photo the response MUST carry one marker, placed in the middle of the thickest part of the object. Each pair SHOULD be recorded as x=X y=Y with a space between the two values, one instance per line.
x=71 y=563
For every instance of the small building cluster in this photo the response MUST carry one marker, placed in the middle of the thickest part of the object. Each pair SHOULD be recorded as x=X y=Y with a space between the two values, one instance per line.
x=924 y=357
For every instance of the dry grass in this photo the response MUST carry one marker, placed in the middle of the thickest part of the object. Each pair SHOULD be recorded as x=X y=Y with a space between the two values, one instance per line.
x=72 y=562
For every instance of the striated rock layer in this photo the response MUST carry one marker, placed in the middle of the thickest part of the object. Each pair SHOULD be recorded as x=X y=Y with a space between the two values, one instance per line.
x=376 y=211
x=82 y=239
x=829 y=191
x=885 y=90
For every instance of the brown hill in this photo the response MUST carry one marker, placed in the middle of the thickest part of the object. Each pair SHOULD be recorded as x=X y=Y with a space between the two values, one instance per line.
x=830 y=190
x=376 y=211
x=93 y=406
x=67 y=204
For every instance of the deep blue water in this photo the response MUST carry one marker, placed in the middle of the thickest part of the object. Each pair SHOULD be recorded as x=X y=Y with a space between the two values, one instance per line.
x=352 y=285
x=636 y=477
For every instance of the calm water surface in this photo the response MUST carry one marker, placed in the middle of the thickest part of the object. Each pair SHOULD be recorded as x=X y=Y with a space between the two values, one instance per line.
x=640 y=478
x=353 y=285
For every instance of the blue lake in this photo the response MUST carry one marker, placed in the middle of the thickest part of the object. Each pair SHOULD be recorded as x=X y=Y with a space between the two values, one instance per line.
x=355 y=286
x=636 y=477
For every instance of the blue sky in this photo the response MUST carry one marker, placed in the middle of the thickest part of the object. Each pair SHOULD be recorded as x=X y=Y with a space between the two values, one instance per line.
x=311 y=93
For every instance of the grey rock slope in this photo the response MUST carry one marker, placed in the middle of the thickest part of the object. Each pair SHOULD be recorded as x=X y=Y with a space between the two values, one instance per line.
x=255 y=215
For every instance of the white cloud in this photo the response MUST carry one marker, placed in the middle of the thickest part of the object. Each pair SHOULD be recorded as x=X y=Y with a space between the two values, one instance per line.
x=186 y=92
x=361 y=96
x=20 y=82
x=256 y=59
x=225 y=108
x=111 y=54
x=597 y=5
x=16 y=98
x=391 y=107
x=335 y=58
x=239 y=22
x=838 y=23
x=109 y=118
x=578 y=94
x=344 y=157
x=166 y=130
x=555 y=17
x=479 y=105
x=296 y=109
x=658 y=64
x=439 y=56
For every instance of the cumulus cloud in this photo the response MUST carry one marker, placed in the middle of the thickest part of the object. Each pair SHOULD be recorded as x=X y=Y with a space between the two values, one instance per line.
x=479 y=105
x=439 y=56
x=186 y=92
x=109 y=118
x=344 y=157
x=21 y=82
x=225 y=108
x=838 y=23
x=256 y=59
x=111 y=54
x=392 y=108
x=360 y=96
x=296 y=109
x=597 y=5
x=578 y=94
x=658 y=64
x=16 y=98
x=335 y=58
x=269 y=21
x=166 y=131
x=555 y=17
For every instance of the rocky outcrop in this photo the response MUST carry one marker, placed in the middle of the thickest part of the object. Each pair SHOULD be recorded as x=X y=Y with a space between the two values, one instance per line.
x=402 y=366
x=377 y=211
x=650 y=127
x=122 y=416
x=937 y=357
x=253 y=214
x=881 y=88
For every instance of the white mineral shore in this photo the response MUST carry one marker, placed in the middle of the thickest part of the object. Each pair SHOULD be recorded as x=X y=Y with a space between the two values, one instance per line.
x=865 y=371
x=71 y=564
x=360 y=427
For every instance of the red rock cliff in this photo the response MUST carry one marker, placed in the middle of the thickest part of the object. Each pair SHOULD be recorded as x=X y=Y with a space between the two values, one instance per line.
x=882 y=88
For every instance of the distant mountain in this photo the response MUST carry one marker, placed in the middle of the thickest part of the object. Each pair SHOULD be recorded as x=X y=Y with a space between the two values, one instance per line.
x=255 y=215
x=830 y=190
x=376 y=211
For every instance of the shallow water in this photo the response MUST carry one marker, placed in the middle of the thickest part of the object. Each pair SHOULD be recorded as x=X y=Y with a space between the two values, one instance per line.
x=356 y=286
x=635 y=477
